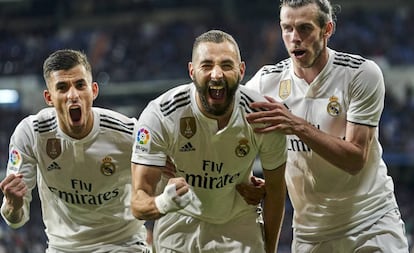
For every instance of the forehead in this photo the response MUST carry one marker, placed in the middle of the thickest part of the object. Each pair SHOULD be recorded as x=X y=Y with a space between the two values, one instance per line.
x=210 y=51
x=76 y=73
x=300 y=15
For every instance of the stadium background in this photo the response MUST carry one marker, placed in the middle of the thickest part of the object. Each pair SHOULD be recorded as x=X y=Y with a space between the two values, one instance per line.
x=139 y=48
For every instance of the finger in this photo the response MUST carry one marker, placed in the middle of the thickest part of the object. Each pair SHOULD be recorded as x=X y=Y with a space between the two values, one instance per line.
x=270 y=99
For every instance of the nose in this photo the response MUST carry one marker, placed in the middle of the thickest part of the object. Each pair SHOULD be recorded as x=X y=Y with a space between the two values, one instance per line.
x=73 y=94
x=295 y=36
x=216 y=72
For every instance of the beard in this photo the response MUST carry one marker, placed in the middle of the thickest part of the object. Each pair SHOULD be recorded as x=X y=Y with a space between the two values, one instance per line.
x=217 y=109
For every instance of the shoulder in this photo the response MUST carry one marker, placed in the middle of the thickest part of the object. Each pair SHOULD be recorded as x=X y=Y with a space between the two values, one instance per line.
x=269 y=73
x=275 y=69
x=114 y=121
x=248 y=96
x=353 y=62
x=44 y=121
x=173 y=100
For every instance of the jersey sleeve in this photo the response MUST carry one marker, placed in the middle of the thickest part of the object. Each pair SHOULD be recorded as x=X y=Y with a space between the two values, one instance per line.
x=273 y=151
x=367 y=93
x=21 y=160
x=150 y=139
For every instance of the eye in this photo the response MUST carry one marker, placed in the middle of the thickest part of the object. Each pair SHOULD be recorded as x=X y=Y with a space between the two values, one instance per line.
x=206 y=66
x=80 y=85
x=227 y=66
x=61 y=87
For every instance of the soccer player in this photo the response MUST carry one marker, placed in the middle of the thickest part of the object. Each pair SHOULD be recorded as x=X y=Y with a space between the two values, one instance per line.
x=329 y=104
x=201 y=126
x=79 y=156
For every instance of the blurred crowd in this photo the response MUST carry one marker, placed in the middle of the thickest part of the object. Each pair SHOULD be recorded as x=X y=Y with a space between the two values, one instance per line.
x=144 y=46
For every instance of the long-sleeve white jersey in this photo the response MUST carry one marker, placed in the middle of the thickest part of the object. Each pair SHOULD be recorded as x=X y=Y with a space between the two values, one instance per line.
x=327 y=201
x=84 y=185
x=212 y=161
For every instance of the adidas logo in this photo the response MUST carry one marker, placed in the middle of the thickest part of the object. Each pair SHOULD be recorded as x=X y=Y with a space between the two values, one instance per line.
x=187 y=147
x=53 y=166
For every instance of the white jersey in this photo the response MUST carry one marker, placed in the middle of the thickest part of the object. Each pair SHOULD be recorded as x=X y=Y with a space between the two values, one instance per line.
x=329 y=202
x=212 y=161
x=84 y=185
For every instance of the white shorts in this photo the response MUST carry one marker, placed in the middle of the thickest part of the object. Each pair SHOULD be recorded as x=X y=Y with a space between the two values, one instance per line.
x=135 y=247
x=385 y=236
x=175 y=233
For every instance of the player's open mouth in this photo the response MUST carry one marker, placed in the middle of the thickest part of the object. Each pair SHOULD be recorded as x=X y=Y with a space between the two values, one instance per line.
x=298 y=52
x=217 y=92
x=75 y=113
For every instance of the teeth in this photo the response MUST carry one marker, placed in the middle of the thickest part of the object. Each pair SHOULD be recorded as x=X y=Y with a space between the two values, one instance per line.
x=217 y=92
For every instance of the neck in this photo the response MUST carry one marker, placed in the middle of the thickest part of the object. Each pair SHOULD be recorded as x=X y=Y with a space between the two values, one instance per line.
x=310 y=73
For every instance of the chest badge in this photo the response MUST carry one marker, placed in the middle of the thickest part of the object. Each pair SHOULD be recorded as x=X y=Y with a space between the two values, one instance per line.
x=53 y=148
x=285 y=88
x=334 y=108
x=188 y=127
x=107 y=166
x=242 y=149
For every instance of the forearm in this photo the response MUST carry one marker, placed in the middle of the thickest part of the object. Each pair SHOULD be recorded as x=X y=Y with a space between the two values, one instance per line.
x=274 y=206
x=11 y=214
x=144 y=207
x=340 y=152
x=273 y=213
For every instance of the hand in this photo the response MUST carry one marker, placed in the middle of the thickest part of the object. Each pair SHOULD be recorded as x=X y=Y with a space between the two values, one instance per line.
x=174 y=196
x=253 y=192
x=275 y=116
x=14 y=189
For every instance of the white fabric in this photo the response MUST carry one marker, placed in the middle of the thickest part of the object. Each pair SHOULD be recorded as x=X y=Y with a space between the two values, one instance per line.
x=168 y=201
x=386 y=235
x=84 y=185
x=212 y=161
x=329 y=202
x=240 y=235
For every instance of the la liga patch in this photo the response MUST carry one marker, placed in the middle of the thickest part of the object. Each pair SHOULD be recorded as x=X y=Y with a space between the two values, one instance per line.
x=15 y=160
x=143 y=140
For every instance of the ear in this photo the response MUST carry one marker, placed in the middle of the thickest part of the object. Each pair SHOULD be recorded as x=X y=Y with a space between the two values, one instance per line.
x=242 y=69
x=191 y=70
x=95 y=90
x=329 y=29
x=47 y=97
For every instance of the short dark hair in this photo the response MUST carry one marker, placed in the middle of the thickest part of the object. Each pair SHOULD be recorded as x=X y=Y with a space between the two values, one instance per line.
x=65 y=59
x=216 y=36
x=327 y=12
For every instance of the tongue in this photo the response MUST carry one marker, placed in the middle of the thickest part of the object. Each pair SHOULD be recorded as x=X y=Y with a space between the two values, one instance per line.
x=217 y=93
x=75 y=114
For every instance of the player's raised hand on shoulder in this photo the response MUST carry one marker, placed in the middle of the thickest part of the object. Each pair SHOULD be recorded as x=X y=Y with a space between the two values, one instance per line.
x=273 y=116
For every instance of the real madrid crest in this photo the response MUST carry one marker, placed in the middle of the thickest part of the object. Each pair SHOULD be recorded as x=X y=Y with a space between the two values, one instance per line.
x=188 y=127
x=285 y=88
x=242 y=149
x=107 y=166
x=334 y=108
